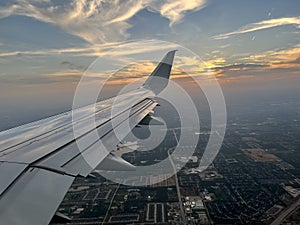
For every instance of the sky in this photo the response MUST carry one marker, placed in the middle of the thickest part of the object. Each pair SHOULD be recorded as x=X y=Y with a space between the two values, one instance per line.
x=251 y=47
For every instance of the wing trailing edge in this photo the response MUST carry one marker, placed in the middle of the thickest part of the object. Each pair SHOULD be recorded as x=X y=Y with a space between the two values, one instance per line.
x=115 y=163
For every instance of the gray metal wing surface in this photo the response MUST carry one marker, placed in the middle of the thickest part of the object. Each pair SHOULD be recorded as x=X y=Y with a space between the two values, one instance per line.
x=39 y=161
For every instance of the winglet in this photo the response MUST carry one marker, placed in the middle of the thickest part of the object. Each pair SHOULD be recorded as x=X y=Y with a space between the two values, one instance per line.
x=159 y=78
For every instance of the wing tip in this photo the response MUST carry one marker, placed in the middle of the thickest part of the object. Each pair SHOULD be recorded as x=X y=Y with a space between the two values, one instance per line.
x=169 y=57
x=159 y=78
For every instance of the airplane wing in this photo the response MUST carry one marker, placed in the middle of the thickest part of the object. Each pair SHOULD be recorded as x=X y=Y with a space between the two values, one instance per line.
x=39 y=161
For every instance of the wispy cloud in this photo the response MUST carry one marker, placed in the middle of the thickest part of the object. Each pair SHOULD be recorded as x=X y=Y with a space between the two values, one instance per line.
x=261 y=63
x=174 y=10
x=280 y=58
x=44 y=52
x=274 y=64
x=265 y=24
x=97 y=21
x=239 y=66
x=117 y=50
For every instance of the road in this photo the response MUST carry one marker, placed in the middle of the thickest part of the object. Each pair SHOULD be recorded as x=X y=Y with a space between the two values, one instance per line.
x=177 y=184
x=286 y=212
x=178 y=189
x=112 y=199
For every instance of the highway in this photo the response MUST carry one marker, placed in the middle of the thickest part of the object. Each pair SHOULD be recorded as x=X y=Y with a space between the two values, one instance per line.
x=177 y=184
x=286 y=212
x=112 y=199
x=178 y=189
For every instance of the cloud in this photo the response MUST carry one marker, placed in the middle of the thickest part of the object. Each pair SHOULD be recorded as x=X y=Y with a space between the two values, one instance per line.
x=73 y=66
x=280 y=62
x=174 y=10
x=269 y=65
x=266 y=24
x=240 y=66
x=137 y=47
x=80 y=51
x=129 y=73
x=280 y=58
x=97 y=21
x=117 y=51
x=220 y=69
x=47 y=52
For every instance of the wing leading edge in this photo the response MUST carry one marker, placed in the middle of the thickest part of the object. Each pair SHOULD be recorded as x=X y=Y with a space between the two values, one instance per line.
x=39 y=161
